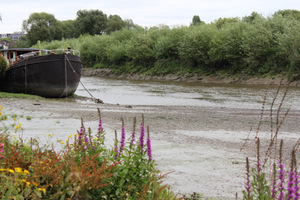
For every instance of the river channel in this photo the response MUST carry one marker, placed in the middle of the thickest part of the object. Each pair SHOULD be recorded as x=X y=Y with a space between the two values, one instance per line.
x=132 y=92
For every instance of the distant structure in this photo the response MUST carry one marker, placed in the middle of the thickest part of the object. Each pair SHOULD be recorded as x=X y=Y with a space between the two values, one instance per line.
x=4 y=44
x=13 y=36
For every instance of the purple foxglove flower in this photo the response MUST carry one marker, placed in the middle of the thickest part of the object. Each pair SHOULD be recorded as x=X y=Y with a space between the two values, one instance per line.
x=281 y=181
x=259 y=166
x=142 y=137
x=149 y=150
x=296 y=187
x=132 y=138
x=291 y=183
x=100 y=128
x=80 y=134
x=122 y=138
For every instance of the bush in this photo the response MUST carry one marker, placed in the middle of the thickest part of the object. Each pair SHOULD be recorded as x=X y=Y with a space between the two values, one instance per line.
x=255 y=46
x=3 y=65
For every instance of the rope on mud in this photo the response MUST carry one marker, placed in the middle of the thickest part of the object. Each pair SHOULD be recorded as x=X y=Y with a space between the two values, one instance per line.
x=96 y=100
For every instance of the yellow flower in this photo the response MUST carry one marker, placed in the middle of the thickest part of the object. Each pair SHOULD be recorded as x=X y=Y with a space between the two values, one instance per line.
x=27 y=183
x=62 y=142
x=1 y=107
x=25 y=171
x=18 y=127
x=70 y=136
x=95 y=138
x=42 y=189
x=0 y=113
x=22 y=180
x=18 y=169
x=10 y=170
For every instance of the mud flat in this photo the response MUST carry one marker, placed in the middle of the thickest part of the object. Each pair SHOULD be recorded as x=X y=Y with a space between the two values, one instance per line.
x=201 y=146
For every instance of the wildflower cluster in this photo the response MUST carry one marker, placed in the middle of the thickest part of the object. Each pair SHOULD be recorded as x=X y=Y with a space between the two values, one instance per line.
x=83 y=169
x=284 y=186
x=17 y=182
x=140 y=145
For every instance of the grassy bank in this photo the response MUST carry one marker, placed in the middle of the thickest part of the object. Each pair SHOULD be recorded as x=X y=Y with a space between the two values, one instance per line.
x=18 y=95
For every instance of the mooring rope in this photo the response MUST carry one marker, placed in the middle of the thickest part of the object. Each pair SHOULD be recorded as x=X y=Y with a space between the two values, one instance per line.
x=96 y=100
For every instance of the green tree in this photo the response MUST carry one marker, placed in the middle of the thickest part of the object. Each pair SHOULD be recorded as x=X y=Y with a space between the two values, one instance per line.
x=128 y=24
x=289 y=13
x=140 y=49
x=68 y=29
x=6 y=39
x=222 y=21
x=21 y=43
x=259 y=47
x=92 y=22
x=196 y=20
x=251 y=18
x=114 y=23
x=195 y=45
x=41 y=26
x=226 y=50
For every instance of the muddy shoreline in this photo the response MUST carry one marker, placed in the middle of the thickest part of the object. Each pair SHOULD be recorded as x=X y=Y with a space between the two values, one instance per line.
x=201 y=146
x=191 y=78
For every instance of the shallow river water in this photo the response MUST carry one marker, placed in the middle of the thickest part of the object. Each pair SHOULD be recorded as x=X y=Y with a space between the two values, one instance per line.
x=128 y=92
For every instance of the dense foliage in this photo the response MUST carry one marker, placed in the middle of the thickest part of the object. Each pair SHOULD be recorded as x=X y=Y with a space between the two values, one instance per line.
x=45 y=27
x=3 y=65
x=253 y=45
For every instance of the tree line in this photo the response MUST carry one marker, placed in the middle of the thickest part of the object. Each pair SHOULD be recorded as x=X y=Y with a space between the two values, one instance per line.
x=45 y=27
x=252 y=45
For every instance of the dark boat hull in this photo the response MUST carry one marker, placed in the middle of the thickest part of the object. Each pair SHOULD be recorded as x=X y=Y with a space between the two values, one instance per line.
x=54 y=75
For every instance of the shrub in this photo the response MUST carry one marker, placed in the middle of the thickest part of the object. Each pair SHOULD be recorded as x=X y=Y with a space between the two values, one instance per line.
x=3 y=65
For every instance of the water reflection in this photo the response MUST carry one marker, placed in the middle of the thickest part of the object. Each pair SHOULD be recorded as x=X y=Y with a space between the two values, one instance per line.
x=128 y=92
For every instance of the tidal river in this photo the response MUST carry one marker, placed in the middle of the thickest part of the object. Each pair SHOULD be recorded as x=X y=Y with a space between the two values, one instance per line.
x=128 y=92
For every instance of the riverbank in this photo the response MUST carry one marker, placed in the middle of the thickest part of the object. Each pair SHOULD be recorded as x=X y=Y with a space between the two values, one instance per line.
x=87 y=71
x=201 y=146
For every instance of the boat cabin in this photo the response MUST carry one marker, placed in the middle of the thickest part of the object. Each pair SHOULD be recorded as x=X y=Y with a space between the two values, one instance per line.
x=13 y=55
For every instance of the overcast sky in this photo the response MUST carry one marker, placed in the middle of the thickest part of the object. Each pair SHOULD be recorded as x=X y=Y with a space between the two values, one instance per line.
x=142 y=12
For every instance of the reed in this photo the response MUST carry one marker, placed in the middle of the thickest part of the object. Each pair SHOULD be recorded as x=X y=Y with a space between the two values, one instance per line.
x=282 y=182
